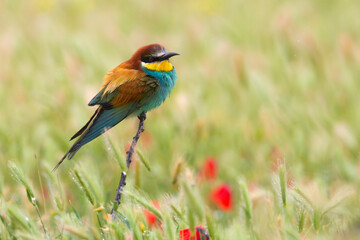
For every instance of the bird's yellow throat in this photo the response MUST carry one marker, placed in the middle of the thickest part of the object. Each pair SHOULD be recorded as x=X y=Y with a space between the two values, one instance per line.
x=163 y=66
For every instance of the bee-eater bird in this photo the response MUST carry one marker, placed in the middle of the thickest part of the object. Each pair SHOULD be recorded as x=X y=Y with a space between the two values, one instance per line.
x=133 y=88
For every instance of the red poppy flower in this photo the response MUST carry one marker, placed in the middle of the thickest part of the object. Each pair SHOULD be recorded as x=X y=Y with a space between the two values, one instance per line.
x=185 y=234
x=209 y=169
x=222 y=197
x=152 y=218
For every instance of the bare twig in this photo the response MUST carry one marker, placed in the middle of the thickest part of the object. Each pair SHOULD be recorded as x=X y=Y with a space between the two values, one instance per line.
x=129 y=154
x=119 y=190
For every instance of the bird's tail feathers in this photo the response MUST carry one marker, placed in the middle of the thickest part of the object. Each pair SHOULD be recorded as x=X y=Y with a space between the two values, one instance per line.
x=60 y=162
x=78 y=133
x=99 y=123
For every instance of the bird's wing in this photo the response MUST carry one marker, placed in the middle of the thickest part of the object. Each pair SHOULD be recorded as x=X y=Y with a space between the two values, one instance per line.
x=114 y=107
x=113 y=80
x=120 y=93
x=139 y=91
x=128 y=97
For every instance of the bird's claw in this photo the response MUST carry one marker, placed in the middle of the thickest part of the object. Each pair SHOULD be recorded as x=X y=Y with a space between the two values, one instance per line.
x=142 y=116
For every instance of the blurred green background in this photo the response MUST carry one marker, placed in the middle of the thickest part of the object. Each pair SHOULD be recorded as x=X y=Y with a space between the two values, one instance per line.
x=261 y=84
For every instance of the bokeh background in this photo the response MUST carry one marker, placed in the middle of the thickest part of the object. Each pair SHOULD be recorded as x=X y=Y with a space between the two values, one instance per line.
x=268 y=90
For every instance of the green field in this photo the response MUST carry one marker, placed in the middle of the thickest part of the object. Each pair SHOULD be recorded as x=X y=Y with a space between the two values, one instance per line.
x=270 y=89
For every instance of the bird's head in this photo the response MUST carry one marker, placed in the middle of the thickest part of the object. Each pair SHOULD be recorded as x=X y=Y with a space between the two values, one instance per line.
x=153 y=57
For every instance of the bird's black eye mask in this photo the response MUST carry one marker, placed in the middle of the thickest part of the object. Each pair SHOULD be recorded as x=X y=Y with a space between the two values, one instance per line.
x=152 y=58
x=149 y=58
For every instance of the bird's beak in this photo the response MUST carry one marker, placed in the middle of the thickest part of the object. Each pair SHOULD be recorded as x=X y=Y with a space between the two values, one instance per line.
x=168 y=55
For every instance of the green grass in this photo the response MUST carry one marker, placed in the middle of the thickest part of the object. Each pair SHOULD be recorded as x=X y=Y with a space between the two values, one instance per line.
x=269 y=88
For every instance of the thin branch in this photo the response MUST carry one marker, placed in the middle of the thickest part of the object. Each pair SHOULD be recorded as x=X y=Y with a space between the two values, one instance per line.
x=142 y=118
x=129 y=154
x=119 y=191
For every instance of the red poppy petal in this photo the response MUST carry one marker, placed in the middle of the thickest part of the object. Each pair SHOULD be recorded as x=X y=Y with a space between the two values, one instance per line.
x=151 y=218
x=185 y=234
x=209 y=169
x=222 y=197
x=201 y=233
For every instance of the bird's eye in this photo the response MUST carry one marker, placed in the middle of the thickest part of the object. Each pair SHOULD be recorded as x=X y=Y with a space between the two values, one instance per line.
x=148 y=59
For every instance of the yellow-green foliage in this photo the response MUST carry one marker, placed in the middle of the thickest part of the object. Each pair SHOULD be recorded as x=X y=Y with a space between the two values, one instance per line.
x=269 y=88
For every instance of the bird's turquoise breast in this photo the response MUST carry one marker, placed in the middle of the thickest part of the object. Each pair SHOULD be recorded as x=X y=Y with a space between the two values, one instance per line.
x=167 y=82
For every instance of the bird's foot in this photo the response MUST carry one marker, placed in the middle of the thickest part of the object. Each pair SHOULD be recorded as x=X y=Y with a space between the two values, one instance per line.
x=142 y=117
